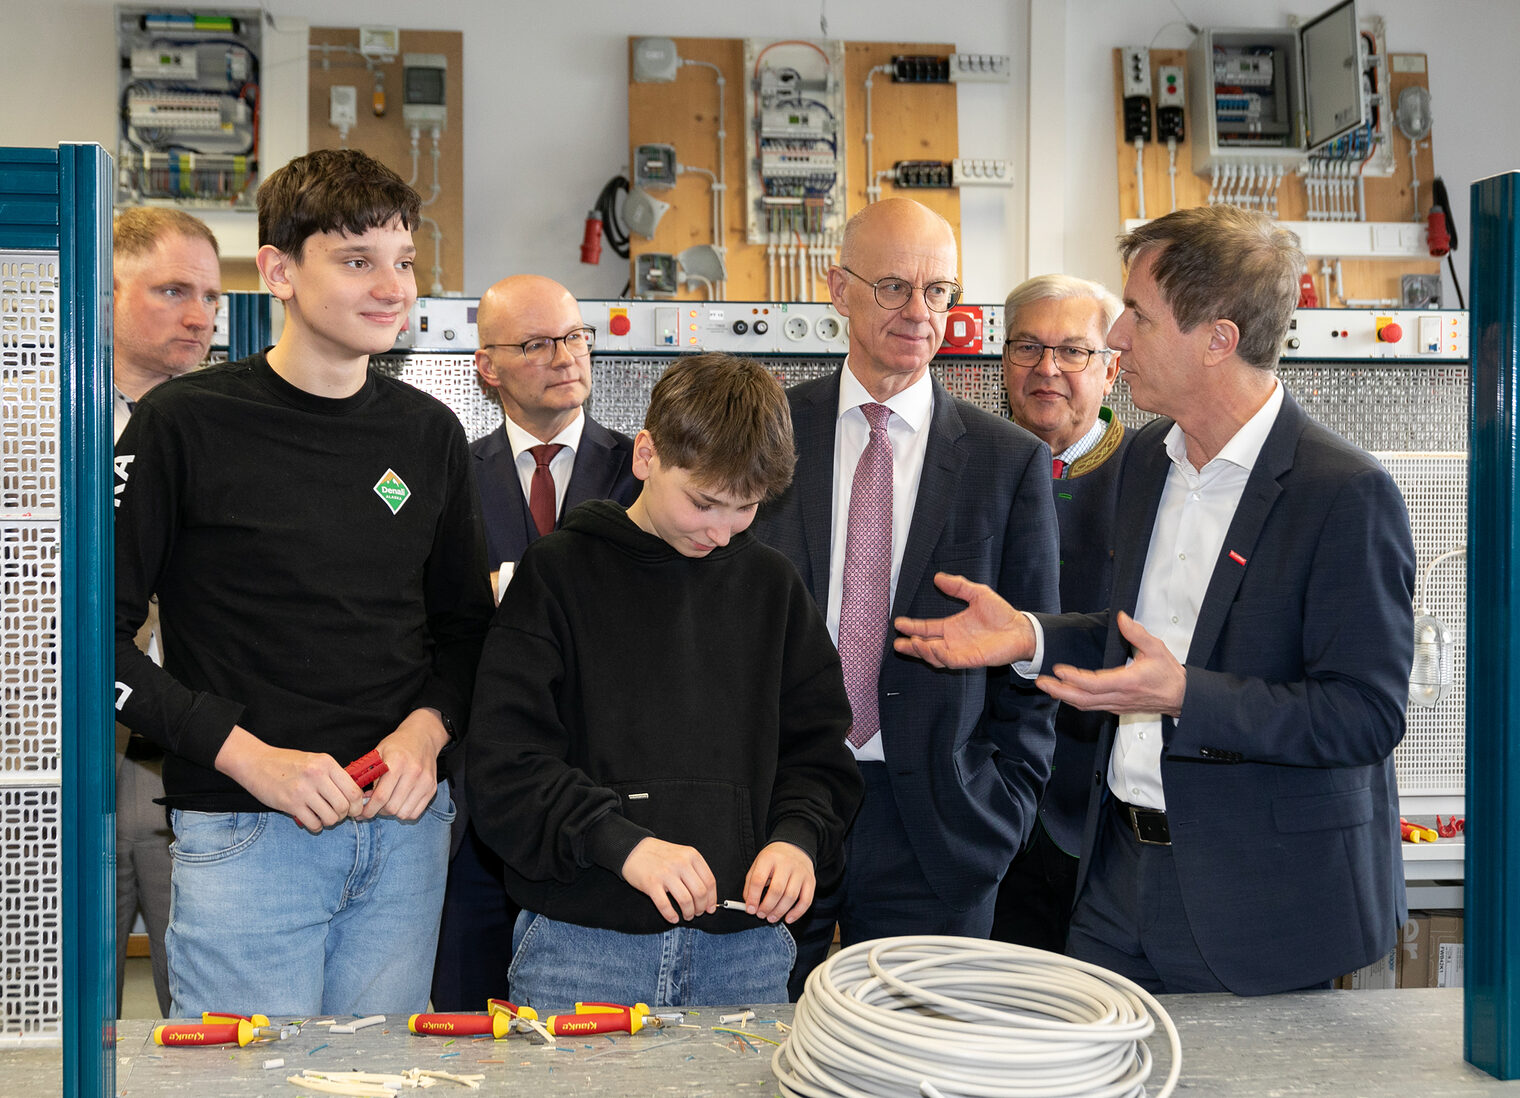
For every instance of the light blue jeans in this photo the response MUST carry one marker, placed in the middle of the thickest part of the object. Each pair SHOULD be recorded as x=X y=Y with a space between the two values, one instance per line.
x=269 y=918
x=556 y=965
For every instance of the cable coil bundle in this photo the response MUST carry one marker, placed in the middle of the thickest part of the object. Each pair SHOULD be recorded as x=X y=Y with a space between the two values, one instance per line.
x=942 y=1017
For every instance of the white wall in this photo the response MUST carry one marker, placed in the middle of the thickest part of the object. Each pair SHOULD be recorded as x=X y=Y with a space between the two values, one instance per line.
x=545 y=104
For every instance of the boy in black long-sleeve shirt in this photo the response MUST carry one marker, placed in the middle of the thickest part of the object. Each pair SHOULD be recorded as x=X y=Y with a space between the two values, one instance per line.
x=660 y=721
x=312 y=534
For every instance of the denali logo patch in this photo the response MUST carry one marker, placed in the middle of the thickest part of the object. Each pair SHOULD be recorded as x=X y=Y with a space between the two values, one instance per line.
x=393 y=490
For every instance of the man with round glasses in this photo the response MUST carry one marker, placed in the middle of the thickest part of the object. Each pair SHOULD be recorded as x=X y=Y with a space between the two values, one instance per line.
x=1057 y=370
x=896 y=480
x=547 y=456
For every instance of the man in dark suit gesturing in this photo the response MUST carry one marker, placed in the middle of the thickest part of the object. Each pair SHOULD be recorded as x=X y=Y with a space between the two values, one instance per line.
x=547 y=456
x=897 y=480
x=1242 y=833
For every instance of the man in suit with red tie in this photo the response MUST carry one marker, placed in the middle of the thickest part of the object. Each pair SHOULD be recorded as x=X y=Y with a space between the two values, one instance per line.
x=896 y=479
x=547 y=456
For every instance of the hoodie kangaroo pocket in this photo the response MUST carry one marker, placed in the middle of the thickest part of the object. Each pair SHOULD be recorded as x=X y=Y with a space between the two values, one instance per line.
x=712 y=816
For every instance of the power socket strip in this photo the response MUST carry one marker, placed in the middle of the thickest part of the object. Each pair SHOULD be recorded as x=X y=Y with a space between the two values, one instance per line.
x=966 y=68
x=980 y=172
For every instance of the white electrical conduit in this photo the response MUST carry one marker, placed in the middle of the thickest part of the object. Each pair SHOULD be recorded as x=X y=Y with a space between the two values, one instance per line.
x=943 y=1017
x=873 y=182
x=416 y=154
x=715 y=189
x=1171 y=171
x=804 y=285
x=720 y=186
x=770 y=257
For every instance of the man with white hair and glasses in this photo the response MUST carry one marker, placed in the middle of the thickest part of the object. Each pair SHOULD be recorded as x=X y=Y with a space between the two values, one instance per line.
x=1057 y=371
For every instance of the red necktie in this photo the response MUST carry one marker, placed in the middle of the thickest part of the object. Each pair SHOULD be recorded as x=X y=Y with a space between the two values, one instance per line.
x=541 y=490
x=1057 y=468
x=863 y=605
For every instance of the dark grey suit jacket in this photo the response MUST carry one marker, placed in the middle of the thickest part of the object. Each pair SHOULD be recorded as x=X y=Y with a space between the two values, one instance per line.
x=968 y=752
x=1279 y=774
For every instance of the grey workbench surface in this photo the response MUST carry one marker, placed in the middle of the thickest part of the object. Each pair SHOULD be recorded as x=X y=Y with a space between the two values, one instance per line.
x=1381 y=1044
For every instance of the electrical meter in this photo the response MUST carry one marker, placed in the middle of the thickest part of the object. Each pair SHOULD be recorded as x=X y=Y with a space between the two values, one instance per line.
x=423 y=82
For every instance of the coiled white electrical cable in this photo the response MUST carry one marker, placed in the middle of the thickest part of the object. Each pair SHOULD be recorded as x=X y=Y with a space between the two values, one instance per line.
x=941 y=1017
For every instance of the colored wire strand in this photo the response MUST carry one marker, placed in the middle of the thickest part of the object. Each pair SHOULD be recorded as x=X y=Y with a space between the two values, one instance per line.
x=945 y=1017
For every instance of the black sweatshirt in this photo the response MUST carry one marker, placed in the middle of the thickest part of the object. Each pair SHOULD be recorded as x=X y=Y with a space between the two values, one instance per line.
x=625 y=691
x=318 y=562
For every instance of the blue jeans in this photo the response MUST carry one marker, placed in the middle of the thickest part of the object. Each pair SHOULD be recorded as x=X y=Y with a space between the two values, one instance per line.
x=557 y=964
x=270 y=918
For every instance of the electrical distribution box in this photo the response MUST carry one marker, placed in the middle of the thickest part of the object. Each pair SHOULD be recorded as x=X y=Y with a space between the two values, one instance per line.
x=794 y=107
x=1273 y=96
x=187 y=107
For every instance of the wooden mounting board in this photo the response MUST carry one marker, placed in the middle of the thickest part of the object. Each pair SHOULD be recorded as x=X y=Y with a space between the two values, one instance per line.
x=388 y=139
x=1387 y=199
x=910 y=122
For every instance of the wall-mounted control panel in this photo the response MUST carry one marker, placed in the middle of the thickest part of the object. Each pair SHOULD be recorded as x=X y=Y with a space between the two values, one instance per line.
x=814 y=328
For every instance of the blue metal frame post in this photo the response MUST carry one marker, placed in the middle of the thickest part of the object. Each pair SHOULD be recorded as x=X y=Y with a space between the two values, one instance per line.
x=1492 y=954
x=57 y=203
x=248 y=323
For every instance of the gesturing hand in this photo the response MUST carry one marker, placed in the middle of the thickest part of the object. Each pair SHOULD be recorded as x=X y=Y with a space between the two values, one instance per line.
x=1152 y=682
x=987 y=633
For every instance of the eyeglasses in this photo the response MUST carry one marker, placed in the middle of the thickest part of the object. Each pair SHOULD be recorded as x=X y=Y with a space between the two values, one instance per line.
x=1069 y=360
x=894 y=293
x=540 y=350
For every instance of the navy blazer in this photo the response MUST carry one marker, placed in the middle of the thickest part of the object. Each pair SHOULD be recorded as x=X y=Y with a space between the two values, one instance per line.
x=1279 y=776
x=603 y=469
x=967 y=752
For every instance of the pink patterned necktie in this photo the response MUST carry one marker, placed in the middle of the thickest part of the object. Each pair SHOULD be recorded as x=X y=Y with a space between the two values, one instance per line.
x=863 y=607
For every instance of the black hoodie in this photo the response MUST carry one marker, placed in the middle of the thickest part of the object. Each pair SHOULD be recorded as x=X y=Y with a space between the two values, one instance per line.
x=625 y=691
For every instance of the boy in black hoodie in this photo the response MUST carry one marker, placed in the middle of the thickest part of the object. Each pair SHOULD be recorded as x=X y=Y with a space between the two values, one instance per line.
x=660 y=721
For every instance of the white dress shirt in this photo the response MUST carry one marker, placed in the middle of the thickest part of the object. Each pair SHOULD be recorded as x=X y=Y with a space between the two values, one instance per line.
x=908 y=432
x=559 y=466
x=1196 y=509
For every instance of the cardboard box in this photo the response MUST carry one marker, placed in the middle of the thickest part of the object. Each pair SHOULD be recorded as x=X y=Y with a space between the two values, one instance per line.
x=1444 y=955
x=1380 y=975
x=1414 y=950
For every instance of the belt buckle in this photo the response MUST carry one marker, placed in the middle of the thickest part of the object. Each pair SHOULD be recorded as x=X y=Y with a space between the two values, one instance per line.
x=1143 y=833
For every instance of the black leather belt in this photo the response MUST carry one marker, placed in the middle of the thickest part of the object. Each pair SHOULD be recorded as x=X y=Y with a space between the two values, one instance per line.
x=1147 y=824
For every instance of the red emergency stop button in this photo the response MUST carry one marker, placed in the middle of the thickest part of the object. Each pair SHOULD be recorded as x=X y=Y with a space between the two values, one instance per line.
x=619 y=324
x=1390 y=333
